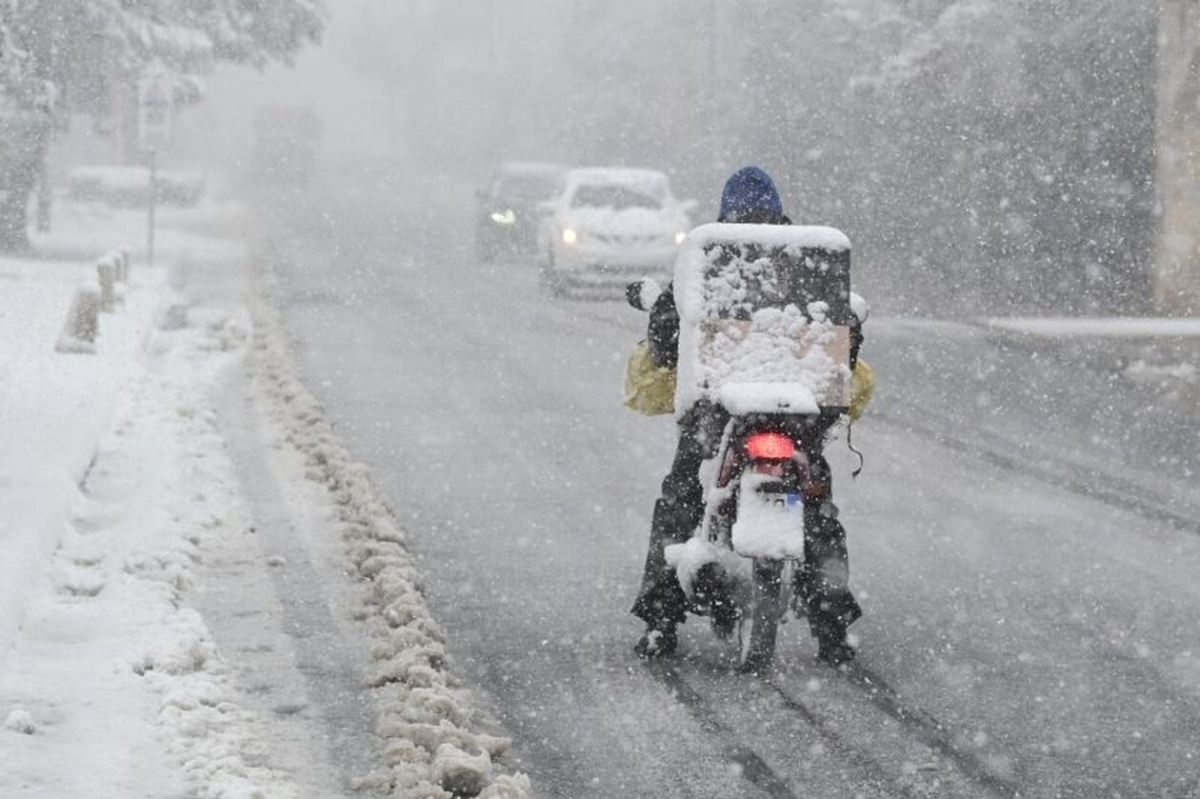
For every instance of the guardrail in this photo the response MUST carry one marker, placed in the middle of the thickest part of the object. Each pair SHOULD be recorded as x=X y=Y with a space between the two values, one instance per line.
x=91 y=299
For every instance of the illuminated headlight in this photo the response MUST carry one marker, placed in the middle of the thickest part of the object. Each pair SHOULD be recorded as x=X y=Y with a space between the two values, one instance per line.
x=679 y=237
x=505 y=217
x=570 y=235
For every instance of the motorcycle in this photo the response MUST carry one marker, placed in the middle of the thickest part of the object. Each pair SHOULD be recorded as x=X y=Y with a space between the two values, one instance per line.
x=764 y=365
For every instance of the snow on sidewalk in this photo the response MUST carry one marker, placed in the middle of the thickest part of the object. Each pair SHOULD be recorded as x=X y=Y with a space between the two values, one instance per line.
x=115 y=478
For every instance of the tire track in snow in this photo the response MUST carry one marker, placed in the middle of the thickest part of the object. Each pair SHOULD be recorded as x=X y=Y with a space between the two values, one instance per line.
x=922 y=725
x=918 y=724
x=754 y=768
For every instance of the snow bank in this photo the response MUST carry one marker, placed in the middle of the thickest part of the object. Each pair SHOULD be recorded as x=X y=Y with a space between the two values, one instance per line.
x=436 y=744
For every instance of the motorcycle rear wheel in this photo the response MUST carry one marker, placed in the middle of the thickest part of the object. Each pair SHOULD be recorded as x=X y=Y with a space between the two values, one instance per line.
x=759 y=625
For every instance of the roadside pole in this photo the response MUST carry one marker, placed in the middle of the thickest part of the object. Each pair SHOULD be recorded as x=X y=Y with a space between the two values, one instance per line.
x=154 y=133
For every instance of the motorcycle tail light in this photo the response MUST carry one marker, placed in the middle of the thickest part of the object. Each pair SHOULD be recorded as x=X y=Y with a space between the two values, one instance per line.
x=770 y=447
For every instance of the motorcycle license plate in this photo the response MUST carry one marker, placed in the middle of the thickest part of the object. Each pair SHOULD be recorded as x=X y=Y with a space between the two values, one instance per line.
x=769 y=525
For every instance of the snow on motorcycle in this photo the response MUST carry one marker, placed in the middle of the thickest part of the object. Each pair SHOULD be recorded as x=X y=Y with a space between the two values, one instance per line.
x=764 y=357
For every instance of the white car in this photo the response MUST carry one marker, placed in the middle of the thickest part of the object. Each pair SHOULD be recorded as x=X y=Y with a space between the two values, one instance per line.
x=610 y=226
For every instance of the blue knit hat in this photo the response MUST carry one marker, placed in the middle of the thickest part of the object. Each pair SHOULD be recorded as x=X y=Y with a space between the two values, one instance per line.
x=749 y=190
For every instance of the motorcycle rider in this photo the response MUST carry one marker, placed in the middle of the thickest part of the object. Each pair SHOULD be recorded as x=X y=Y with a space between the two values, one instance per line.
x=822 y=583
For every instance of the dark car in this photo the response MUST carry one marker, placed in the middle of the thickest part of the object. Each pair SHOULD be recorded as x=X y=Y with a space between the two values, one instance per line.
x=506 y=220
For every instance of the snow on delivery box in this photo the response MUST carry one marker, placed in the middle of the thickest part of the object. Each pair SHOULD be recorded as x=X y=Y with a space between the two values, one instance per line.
x=764 y=319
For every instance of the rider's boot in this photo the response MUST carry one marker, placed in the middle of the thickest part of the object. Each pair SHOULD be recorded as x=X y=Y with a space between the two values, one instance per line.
x=658 y=641
x=661 y=602
x=832 y=644
x=712 y=596
x=822 y=591
x=835 y=654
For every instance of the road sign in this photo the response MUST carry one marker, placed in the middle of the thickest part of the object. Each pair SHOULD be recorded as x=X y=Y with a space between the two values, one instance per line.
x=154 y=112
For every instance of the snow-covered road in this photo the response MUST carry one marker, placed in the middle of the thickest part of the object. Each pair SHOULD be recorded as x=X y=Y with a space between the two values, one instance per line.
x=1029 y=610
x=213 y=596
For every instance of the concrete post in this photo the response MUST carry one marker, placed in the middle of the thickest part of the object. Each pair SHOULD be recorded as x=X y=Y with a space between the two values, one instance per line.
x=83 y=322
x=106 y=270
x=122 y=256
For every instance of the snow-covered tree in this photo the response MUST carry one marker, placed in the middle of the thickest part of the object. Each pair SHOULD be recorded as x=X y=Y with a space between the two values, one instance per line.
x=1002 y=153
x=76 y=52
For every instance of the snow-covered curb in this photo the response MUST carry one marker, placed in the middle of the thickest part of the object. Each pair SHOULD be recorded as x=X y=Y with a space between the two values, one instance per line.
x=1113 y=327
x=436 y=748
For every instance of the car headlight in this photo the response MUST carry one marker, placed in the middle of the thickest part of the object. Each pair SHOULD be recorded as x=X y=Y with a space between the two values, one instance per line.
x=570 y=235
x=679 y=237
x=505 y=217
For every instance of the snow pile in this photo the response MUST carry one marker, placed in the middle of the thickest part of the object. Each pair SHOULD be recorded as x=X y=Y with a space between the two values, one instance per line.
x=20 y=720
x=436 y=746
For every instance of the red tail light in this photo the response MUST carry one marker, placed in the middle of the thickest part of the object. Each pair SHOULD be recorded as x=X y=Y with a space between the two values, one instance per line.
x=770 y=447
